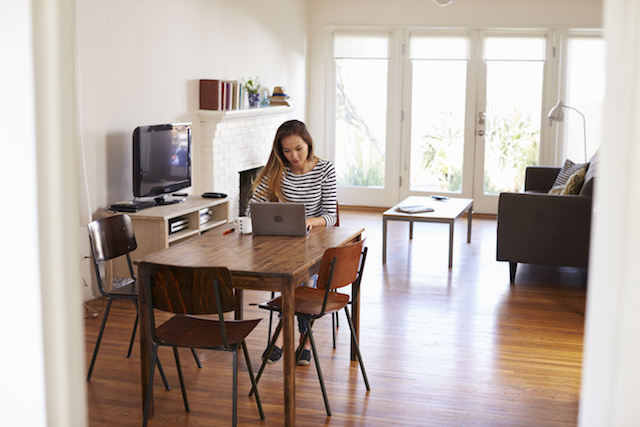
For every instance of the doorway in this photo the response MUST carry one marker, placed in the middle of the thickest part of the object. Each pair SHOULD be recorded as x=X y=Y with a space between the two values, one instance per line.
x=455 y=113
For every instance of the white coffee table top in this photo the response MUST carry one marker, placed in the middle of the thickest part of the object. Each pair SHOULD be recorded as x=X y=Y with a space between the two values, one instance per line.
x=444 y=209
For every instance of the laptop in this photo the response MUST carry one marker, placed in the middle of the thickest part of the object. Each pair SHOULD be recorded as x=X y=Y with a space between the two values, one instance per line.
x=278 y=219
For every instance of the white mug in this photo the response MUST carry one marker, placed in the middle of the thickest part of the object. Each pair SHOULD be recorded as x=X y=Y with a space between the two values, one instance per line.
x=245 y=225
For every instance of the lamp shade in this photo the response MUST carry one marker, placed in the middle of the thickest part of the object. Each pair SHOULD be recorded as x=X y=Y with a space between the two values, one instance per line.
x=557 y=113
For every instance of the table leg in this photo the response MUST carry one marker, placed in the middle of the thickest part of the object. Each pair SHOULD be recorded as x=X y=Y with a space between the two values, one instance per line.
x=289 y=353
x=469 y=215
x=384 y=240
x=451 y=223
x=239 y=311
x=145 y=348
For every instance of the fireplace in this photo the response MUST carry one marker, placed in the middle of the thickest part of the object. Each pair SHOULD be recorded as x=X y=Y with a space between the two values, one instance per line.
x=234 y=141
x=247 y=178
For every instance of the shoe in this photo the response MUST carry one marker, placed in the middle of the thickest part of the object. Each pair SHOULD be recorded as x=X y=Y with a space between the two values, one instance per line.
x=305 y=358
x=275 y=355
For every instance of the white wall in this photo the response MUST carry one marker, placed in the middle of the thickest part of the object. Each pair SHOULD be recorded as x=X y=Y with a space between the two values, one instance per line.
x=22 y=401
x=611 y=373
x=140 y=62
x=476 y=14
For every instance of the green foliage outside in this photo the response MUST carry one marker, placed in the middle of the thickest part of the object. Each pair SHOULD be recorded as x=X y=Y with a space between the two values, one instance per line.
x=512 y=143
x=361 y=151
x=441 y=151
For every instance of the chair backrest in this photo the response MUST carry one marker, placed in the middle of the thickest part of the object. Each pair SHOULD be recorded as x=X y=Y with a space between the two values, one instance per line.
x=111 y=237
x=346 y=267
x=187 y=290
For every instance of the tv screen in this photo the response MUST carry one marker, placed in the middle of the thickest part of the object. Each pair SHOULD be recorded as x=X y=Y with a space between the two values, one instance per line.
x=161 y=159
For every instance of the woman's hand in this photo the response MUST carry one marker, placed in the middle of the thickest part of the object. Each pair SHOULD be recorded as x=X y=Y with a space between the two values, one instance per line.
x=317 y=221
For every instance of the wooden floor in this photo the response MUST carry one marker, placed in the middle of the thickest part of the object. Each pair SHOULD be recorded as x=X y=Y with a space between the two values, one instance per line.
x=441 y=347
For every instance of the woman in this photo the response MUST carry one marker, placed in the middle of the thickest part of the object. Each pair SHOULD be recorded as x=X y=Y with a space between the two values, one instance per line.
x=293 y=173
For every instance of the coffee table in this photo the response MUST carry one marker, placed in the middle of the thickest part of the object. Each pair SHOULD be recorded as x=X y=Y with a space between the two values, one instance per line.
x=445 y=211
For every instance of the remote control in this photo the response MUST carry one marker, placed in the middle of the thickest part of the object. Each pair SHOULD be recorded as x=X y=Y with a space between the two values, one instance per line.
x=212 y=195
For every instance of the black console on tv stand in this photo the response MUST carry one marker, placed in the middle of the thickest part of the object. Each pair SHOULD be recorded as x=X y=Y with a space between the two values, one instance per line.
x=161 y=201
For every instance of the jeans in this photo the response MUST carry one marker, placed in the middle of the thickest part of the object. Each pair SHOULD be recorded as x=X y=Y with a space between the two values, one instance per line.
x=302 y=327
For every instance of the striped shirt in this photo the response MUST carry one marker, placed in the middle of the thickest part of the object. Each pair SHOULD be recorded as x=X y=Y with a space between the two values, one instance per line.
x=316 y=189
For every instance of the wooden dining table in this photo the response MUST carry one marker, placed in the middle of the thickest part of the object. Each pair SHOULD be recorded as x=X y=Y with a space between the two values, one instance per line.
x=272 y=263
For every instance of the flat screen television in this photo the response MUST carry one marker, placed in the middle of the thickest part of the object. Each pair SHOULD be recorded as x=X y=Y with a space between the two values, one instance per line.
x=161 y=159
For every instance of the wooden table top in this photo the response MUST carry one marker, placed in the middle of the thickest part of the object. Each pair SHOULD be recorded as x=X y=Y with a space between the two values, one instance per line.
x=246 y=254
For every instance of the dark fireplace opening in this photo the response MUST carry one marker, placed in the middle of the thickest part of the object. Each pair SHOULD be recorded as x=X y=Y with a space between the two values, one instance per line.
x=247 y=178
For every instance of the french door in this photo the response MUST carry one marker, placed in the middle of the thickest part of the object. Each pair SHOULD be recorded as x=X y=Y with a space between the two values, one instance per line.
x=454 y=113
x=474 y=103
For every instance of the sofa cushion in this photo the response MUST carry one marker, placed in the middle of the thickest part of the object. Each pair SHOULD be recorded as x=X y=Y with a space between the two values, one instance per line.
x=587 y=188
x=565 y=173
x=574 y=184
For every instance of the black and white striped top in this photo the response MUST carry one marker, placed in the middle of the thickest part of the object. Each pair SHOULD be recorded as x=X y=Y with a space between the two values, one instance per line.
x=316 y=189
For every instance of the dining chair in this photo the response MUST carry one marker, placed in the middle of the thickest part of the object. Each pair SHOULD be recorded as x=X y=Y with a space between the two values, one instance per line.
x=340 y=267
x=111 y=238
x=188 y=292
x=334 y=317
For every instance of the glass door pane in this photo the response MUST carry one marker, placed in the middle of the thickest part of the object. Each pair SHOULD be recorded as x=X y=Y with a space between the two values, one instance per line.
x=438 y=94
x=361 y=74
x=514 y=88
x=586 y=75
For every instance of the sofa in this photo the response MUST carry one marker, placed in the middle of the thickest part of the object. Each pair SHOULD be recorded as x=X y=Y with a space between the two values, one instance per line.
x=548 y=223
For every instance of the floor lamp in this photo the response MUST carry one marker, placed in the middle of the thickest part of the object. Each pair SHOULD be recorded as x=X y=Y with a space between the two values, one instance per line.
x=557 y=114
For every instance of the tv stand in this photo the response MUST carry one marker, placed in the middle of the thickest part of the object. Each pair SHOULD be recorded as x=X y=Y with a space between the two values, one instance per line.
x=159 y=227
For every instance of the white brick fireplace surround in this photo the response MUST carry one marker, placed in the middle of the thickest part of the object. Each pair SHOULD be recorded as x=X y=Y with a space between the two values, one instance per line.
x=233 y=141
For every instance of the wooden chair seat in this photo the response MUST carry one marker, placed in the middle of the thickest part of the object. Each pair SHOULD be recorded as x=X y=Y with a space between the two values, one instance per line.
x=192 y=331
x=130 y=289
x=310 y=301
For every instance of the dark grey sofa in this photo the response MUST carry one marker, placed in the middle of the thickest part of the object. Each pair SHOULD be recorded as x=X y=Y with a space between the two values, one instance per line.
x=539 y=228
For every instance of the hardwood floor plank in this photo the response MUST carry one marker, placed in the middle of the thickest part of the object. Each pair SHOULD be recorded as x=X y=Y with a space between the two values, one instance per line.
x=441 y=347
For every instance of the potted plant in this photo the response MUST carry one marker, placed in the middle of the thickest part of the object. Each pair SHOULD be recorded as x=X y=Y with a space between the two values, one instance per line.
x=252 y=86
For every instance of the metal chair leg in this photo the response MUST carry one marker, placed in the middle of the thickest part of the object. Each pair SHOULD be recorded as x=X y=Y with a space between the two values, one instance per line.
x=135 y=327
x=164 y=377
x=195 y=356
x=254 y=384
x=334 y=325
x=95 y=350
x=357 y=346
x=318 y=369
x=184 y=389
x=267 y=354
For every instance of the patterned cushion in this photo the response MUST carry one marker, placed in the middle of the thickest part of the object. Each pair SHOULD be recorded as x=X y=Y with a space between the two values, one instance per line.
x=568 y=169
x=574 y=184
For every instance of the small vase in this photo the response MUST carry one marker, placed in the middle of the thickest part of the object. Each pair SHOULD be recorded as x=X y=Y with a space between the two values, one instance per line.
x=254 y=99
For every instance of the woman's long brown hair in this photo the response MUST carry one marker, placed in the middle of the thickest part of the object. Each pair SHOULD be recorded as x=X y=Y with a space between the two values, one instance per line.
x=274 y=169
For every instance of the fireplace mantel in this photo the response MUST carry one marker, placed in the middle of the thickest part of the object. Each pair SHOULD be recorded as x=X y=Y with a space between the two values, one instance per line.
x=231 y=141
x=219 y=115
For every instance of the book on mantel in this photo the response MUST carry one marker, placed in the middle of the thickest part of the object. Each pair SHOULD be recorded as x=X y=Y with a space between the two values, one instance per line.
x=220 y=95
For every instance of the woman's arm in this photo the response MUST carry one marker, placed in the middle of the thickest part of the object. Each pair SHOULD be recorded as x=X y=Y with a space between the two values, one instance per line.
x=329 y=201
